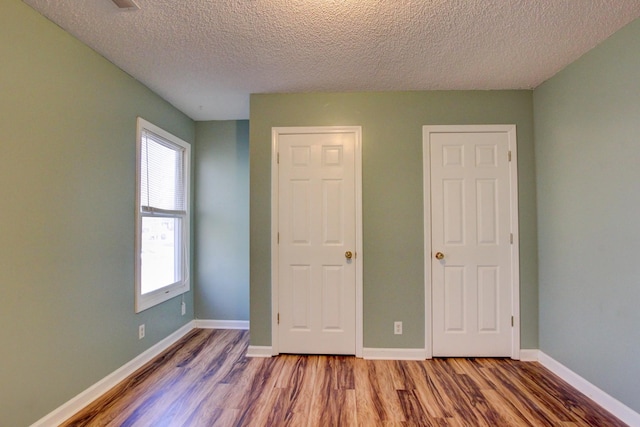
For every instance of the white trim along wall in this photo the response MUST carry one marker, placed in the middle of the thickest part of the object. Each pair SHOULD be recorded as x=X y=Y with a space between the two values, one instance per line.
x=222 y=324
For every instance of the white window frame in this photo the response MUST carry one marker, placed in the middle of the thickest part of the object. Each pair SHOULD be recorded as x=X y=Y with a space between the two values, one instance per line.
x=183 y=239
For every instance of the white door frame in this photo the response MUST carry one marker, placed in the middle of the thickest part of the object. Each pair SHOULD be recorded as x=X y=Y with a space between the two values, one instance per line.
x=510 y=130
x=275 y=134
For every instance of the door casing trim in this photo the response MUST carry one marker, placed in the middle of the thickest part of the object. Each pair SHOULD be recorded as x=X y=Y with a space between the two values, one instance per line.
x=510 y=130
x=275 y=133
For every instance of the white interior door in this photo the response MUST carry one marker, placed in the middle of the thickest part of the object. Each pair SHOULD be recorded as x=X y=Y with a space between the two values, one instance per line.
x=472 y=256
x=317 y=242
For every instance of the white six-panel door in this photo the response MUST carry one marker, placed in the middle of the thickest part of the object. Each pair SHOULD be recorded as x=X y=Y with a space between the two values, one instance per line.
x=471 y=251
x=316 y=242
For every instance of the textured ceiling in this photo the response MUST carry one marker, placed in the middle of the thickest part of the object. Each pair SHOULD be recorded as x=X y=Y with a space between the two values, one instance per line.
x=207 y=56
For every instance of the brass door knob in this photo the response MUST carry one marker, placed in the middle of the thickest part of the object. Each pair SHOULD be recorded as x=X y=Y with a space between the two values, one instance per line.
x=439 y=255
x=348 y=255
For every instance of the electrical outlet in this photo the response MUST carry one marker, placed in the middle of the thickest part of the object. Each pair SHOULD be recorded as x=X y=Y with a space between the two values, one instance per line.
x=397 y=328
x=141 y=331
x=183 y=308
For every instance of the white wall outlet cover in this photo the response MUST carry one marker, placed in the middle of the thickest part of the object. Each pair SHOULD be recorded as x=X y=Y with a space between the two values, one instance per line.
x=397 y=328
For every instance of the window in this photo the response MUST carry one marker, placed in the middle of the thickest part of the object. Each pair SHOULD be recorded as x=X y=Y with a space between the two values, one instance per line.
x=162 y=216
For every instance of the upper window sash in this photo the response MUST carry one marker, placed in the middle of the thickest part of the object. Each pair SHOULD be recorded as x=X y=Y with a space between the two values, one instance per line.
x=162 y=173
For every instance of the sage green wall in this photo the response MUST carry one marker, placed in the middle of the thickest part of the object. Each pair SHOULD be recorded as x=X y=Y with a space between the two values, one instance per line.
x=587 y=126
x=392 y=197
x=67 y=180
x=222 y=220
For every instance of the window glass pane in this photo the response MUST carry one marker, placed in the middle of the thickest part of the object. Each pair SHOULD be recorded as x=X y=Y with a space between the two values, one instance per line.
x=161 y=184
x=160 y=255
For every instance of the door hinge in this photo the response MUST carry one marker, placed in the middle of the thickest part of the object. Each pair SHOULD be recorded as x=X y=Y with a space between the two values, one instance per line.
x=511 y=238
x=278 y=157
x=278 y=237
x=279 y=319
x=512 y=321
x=509 y=155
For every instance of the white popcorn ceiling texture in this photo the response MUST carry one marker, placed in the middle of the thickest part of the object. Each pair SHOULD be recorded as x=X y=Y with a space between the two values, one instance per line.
x=206 y=56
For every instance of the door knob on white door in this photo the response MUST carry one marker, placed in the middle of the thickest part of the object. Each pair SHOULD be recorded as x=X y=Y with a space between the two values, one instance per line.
x=348 y=255
x=439 y=255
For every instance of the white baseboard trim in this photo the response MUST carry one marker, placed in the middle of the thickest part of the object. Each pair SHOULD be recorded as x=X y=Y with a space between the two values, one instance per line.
x=260 y=351
x=617 y=408
x=222 y=324
x=70 y=408
x=529 y=355
x=394 y=353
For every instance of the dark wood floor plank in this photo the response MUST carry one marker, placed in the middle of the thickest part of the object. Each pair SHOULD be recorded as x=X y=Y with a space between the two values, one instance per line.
x=331 y=404
x=380 y=375
x=402 y=380
x=258 y=398
x=520 y=400
x=344 y=372
x=544 y=383
x=509 y=415
x=300 y=389
x=205 y=380
x=412 y=408
x=444 y=379
x=369 y=406
x=487 y=415
x=474 y=369
x=527 y=403
x=430 y=396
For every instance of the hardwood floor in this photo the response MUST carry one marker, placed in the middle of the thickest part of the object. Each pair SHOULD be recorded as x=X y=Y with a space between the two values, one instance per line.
x=205 y=380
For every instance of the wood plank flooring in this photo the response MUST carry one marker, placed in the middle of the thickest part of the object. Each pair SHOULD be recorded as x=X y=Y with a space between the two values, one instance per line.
x=205 y=380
